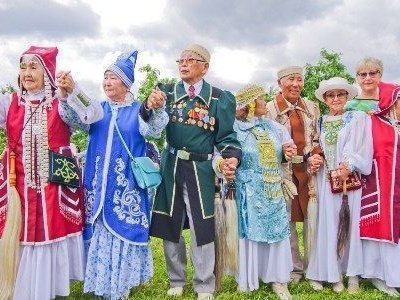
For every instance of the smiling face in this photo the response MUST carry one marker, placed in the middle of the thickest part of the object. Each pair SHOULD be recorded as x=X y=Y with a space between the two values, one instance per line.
x=291 y=86
x=192 y=67
x=31 y=74
x=113 y=87
x=336 y=99
x=368 y=78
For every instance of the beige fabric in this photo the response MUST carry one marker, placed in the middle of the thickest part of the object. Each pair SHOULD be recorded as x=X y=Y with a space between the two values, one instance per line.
x=289 y=71
x=199 y=50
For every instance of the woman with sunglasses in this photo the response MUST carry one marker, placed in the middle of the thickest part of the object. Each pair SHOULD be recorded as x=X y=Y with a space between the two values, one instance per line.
x=380 y=203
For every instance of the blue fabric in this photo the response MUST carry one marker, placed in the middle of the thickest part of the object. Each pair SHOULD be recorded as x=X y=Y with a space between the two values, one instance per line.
x=110 y=187
x=124 y=67
x=114 y=266
x=261 y=218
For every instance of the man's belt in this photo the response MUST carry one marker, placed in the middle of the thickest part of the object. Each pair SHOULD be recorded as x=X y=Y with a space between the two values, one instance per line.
x=297 y=159
x=185 y=155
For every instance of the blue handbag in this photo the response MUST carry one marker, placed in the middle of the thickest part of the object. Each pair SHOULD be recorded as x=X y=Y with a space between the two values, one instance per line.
x=146 y=173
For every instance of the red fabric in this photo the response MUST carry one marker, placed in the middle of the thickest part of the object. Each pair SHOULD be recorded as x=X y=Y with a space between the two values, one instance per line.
x=380 y=203
x=51 y=213
x=191 y=92
x=47 y=57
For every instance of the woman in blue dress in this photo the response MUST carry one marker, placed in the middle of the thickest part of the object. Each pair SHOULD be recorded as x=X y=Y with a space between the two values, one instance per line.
x=117 y=209
x=264 y=247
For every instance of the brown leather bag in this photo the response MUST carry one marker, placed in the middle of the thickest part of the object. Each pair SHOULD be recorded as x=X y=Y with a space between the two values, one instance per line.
x=353 y=182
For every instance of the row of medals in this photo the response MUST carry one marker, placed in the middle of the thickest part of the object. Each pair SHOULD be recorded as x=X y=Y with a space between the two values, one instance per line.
x=196 y=116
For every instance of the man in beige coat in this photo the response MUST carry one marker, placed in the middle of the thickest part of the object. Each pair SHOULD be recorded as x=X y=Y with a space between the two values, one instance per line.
x=300 y=117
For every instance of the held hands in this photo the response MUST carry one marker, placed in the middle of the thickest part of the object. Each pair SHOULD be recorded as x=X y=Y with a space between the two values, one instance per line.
x=65 y=83
x=228 y=167
x=156 y=99
x=314 y=163
x=341 y=173
x=289 y=150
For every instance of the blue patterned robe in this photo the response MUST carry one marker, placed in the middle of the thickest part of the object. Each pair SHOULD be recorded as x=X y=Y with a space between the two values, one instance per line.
x=111 y=190
x=261 y=218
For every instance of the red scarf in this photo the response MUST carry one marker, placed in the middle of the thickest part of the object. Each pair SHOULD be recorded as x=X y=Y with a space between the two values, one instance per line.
x=380 y=202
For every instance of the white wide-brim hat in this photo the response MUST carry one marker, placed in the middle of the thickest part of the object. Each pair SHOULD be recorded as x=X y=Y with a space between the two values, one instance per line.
x=335 y=83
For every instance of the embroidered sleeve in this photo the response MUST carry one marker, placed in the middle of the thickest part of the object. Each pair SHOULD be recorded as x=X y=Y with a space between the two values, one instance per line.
x=69 y=116
x=88 y=110
x=157 y=122
x=5 y=101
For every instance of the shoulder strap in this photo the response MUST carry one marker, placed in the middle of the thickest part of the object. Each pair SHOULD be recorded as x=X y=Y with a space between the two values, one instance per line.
x=123 y=141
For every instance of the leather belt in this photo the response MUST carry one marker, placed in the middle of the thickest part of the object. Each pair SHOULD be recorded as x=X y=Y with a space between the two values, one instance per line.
x=185 y=155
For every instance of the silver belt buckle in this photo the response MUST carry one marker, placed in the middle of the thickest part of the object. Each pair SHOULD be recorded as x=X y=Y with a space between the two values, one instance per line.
x=297 y=159
x=182 y=154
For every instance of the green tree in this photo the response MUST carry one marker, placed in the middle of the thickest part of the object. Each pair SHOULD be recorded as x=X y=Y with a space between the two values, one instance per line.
x=329 y=65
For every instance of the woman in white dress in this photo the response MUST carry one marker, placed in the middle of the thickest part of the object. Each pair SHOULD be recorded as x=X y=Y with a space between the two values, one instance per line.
x=346 y=140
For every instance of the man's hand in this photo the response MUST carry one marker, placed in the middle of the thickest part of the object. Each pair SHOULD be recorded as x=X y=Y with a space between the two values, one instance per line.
x=314 y=163
x=228 y=167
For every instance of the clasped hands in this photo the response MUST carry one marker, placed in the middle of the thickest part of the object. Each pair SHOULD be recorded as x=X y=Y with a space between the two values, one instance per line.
x=65 y=83
x=289 y=150
x=156 y=99
x=228 y=167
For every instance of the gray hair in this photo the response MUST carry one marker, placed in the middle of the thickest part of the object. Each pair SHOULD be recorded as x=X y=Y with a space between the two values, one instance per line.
x=370 y=62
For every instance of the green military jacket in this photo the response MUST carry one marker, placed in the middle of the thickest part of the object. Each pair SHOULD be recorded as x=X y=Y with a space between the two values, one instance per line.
x=197 y=126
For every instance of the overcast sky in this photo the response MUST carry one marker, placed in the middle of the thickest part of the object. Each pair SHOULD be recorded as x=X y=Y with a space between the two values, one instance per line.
x=249 y=40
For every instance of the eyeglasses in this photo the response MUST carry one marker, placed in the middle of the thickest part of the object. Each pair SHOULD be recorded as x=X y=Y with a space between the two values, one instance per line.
x=188 y=61
x=371 y=74
x=332 y=96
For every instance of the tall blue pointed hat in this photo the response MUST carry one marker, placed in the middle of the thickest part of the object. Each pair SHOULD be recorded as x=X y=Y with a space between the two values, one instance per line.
x=124 y=67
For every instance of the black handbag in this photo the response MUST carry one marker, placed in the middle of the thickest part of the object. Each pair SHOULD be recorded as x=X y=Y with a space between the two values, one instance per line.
x=63 y=170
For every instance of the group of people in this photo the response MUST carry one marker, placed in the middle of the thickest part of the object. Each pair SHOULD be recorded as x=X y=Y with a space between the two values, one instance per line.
x=336 y=173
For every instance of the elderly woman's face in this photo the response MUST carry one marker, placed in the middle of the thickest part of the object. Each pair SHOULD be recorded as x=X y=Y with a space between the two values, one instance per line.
x=113 y=87
x=368 y=78
x=192 y=67
x=336 y=99
x=31 y=74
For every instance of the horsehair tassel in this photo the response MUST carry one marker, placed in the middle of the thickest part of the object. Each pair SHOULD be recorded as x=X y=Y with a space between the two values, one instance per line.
x=220 y=235
x=9 y=244
x=232 y=235
x=344 y=223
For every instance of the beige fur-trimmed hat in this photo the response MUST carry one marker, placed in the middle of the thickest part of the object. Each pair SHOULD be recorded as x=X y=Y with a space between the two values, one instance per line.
x=247 y=94
x=199 y=50
x=289 y=71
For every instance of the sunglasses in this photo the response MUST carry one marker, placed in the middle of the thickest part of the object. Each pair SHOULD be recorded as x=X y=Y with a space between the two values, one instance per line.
x=371 y=74
x=332 y=96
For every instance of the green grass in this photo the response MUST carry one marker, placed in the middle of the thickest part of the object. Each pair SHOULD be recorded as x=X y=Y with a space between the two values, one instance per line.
x=158 y=286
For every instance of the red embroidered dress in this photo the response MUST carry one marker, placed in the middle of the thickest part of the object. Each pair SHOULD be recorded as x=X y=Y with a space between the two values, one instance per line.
x=49 y=211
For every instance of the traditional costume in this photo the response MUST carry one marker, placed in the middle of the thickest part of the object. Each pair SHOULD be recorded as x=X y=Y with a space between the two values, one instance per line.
x=380 y=204
x=197 y=124
x=347 y=139
x=51 y=251
x=264 y=246
x=117 y=209
x=300 y=119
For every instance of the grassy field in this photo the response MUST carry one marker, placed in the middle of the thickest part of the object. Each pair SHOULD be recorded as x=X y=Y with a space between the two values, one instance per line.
x=158 y=286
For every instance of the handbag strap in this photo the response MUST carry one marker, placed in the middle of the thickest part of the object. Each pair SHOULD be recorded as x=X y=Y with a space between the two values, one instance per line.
x=123 y=141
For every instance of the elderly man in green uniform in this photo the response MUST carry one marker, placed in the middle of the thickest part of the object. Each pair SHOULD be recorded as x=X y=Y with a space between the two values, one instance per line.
x=201 y=118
